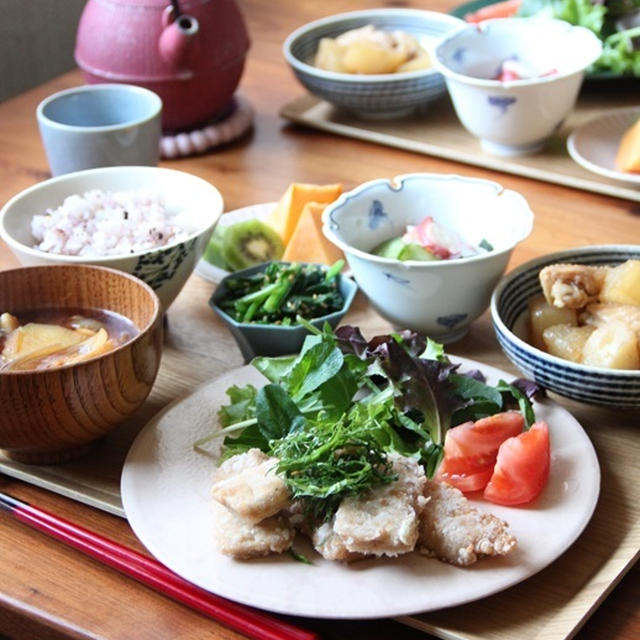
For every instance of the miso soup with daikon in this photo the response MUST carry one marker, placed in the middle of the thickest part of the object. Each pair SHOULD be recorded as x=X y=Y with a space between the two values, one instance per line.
x=54 y=337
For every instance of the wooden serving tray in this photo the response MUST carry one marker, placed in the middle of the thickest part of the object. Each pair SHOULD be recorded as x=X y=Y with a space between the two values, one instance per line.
x=438 y=132
x=551 y=605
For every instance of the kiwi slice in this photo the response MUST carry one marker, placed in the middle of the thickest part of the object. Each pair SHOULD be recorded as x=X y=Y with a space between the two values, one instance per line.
x=250 y=242
x=213 y=252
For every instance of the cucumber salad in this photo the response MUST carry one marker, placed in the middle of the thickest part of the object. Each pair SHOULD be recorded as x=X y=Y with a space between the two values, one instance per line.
x=428 y=241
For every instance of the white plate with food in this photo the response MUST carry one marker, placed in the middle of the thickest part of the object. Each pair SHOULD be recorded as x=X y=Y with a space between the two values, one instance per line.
x=594 y=144
x=166 y=492
x=213 y=273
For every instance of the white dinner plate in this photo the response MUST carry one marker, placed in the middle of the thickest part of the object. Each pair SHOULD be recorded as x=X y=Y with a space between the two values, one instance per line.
x=594 y=144
x=166 y=495
x=260 y=211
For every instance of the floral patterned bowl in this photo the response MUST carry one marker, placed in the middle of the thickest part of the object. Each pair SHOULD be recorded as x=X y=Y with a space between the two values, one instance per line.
x=167 y=268
x=439 y=298
x=547 y=59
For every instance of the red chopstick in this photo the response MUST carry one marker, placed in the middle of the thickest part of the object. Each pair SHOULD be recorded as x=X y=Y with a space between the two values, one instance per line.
x=250 y=622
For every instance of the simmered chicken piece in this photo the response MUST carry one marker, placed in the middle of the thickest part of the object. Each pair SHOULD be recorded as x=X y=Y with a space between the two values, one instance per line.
x=571 y=285
x=455 y=531
x=589 y=315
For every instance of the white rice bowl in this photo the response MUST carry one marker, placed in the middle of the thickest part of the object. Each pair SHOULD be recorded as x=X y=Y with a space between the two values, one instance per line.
x=101 y=223
x=80 y=217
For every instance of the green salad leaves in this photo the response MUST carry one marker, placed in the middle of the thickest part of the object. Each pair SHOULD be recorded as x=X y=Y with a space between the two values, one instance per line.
x=615 y=22
x=333 y=412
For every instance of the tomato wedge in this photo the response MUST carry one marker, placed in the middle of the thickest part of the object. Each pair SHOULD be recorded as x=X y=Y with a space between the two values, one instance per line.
x=504 y=9
x=471 y=448
x=522 y=467
x=466 y=482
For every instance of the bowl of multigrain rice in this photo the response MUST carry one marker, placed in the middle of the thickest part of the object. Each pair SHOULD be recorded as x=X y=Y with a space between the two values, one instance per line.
x=151 y=222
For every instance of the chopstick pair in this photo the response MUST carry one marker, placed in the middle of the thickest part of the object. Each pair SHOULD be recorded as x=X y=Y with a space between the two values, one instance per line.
x=250 y=622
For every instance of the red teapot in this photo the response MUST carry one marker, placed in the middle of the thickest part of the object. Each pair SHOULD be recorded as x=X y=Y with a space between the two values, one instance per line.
x=190 y=52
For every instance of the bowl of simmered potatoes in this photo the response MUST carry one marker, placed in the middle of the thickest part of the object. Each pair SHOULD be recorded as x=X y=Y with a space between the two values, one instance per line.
x=374 y=63
x=571 y=321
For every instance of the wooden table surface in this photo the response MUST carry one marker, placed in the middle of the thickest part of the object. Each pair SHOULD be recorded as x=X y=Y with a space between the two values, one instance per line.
x=48 y=591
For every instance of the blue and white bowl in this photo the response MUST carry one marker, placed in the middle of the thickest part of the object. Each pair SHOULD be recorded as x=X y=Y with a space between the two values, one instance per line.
x=515 y=117
x=390 y=95
x=593 y=385
x=438 y=298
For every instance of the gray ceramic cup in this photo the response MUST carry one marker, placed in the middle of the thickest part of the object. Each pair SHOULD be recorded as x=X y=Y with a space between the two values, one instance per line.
x=100 y=125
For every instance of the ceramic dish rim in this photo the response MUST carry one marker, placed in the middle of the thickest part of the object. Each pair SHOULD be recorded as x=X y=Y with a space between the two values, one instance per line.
x=583 y=161
x=395 y=184
x=104 y=260
x=100 y=87
x=488 y=83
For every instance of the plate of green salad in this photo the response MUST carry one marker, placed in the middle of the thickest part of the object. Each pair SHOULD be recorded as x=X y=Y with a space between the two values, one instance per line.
x=167 y=477
x=615 y=22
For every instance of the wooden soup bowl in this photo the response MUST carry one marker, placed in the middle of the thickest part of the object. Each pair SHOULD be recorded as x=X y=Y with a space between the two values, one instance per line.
x=55 y=415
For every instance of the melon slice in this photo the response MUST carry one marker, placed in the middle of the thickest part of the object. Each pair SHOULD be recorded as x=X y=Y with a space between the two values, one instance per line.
x=284 y=217
x=308 y=243
x=628 y=155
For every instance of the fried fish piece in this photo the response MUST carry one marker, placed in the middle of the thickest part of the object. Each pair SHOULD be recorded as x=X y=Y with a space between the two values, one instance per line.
x=243 y=539
x=247 y=484
x=382 y=521
x=330 y=545
x=572 y=285
x=453 y=530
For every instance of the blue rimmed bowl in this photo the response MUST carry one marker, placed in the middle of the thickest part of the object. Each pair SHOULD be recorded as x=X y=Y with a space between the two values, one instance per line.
x=515 y=117
x=270 y=339
x=593 y=385
x=390 y=95
x=438 y=298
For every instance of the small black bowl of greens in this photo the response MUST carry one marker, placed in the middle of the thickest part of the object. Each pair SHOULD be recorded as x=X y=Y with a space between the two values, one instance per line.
x=265 y=306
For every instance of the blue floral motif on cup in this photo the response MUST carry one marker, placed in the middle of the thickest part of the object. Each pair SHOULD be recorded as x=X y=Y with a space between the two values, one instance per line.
x=451 y=320
x=377 y=215
x=403 y=281
x=502 y=102
x=458 y=55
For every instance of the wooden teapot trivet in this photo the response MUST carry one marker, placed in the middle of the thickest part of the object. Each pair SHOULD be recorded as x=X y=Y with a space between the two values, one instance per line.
x=215 y=134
